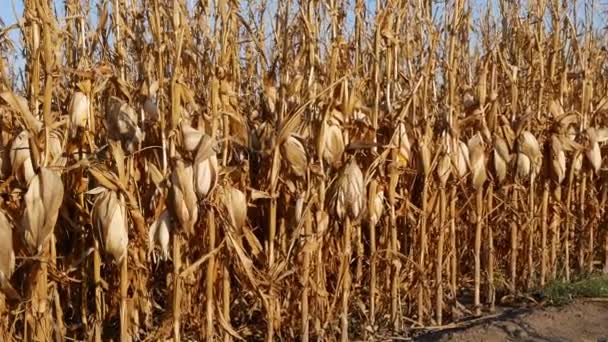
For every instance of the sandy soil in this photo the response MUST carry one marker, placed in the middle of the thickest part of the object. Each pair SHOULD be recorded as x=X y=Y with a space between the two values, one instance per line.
x=583 y=320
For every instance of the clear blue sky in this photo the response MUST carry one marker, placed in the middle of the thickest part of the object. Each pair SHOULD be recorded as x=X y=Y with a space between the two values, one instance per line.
x=11 y=10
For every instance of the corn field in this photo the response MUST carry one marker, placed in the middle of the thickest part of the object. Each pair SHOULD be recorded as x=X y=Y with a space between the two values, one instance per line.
x=294 y=170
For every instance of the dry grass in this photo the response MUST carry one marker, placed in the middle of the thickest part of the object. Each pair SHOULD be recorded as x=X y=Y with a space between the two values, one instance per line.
x=315 y=170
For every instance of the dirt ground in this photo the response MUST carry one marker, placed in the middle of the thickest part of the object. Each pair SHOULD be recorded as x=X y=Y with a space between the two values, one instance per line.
x=581 y=320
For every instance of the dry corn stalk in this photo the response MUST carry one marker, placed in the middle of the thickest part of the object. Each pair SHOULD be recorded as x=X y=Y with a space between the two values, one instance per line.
x=109 y=220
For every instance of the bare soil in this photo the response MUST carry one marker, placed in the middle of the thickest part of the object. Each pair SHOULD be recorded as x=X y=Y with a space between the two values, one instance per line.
x=581 y=320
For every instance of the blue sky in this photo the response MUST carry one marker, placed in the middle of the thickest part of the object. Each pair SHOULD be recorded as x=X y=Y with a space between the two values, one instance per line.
x=12 y=10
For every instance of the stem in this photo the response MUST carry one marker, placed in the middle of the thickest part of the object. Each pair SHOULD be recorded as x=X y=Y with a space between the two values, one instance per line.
x=478 y=232
x=514 y=247
x=124 y=314
x=394 y=178
x=531 y=230
x=305 y=278
x=591 y=237
x=582 y=214
x=439 y=266
x=543 y=265
x=491 y=290
x=346 y=279
x=555 y=227
x=226 y=298
x=454 y=259
x=177 y=294
x=423 y=239
x=99 y=302
x=210 y=277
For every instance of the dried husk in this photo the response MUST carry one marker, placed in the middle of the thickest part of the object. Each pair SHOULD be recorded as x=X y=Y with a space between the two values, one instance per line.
x=594 y=156
x=182 y=196
x=577 y=163
x=444 y=169
x=7 y=256
x=151 y=108
x=558 y=160
x=349 y=192
x=3 y=160
x=528 y=145
x=477 y=159
x=270 y=96
x=593 y=152
x=401 y=142
x=79 y=111
x=56 y=148
x=42 y=202
x=333 y=144
x=294 y=153
x=121 y=123
x=501 y=159
x=524 y=166
x=375 y=203
x=205 y=167
x=425 y=157
x=20 y=158
x=109 y=220
x=235 y=203
x=462 y=158
x=19 y=104
x=191 y=136
x=159 y=234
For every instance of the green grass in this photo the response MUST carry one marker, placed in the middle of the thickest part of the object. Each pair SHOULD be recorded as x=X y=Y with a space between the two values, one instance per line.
x=560 y=292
